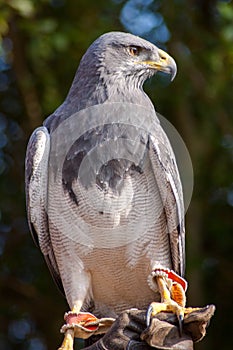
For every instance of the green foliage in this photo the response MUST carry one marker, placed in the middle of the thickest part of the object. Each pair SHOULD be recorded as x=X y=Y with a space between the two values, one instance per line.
x=42 y=42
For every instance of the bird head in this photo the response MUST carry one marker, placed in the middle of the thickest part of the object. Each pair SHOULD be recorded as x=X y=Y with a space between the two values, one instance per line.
x=118 y=54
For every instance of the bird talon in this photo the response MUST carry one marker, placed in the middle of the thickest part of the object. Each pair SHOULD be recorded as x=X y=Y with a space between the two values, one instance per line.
x=168 y=306
x=148 y=315
x=180 y=323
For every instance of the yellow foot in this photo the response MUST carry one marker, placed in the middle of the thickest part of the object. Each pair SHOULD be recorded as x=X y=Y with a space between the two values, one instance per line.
x=68 y=341
x=172 y=290
x=169 y=306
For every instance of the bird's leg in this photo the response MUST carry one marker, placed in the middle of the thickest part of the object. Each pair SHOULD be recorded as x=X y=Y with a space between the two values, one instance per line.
x=68 y=341
x=82 y=325
x=167 y=304
x=172 y=290
x=77 y=323
x=75 y=318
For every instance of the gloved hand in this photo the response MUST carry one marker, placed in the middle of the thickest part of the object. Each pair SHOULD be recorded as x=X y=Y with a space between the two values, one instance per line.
x=129 y=331
x=124 y=333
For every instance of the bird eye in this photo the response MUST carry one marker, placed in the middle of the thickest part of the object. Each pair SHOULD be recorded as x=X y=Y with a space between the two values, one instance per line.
x=134 y=51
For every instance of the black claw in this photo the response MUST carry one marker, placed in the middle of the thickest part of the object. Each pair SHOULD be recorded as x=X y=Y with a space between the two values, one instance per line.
x=148 y=315
x=180 y=322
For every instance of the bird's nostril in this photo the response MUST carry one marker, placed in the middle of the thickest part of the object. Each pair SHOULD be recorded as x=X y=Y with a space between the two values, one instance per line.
x=163 y=58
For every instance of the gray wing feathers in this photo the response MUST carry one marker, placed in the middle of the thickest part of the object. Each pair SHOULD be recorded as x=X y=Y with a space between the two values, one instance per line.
x=36 y=175
x=36 y=186
x=167 y=177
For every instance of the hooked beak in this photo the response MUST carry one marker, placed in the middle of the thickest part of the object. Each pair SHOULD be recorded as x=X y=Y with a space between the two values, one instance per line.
x=164 y=63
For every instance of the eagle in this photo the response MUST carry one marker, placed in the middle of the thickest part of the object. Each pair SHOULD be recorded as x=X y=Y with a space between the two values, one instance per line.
x=103 y=191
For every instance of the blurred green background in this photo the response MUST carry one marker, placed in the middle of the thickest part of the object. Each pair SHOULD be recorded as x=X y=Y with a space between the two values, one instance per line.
x=41 y=44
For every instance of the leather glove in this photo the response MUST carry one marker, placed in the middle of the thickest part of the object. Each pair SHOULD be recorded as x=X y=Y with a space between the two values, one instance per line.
x=129 y=331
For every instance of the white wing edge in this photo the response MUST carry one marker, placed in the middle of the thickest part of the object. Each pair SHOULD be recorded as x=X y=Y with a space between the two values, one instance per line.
x=36 y=180
x=36 y=168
